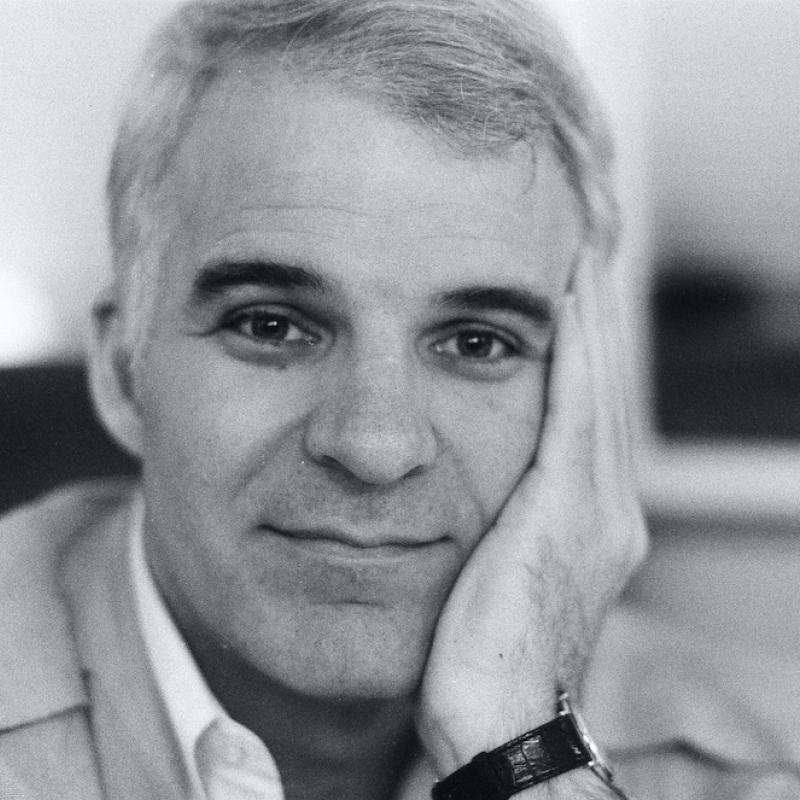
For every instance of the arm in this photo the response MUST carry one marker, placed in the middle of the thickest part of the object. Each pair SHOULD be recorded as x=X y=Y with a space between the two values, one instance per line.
x=525 y=611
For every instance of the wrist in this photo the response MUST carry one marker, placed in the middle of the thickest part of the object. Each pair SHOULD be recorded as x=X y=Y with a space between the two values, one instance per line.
x=452 y=740
x=534 y=759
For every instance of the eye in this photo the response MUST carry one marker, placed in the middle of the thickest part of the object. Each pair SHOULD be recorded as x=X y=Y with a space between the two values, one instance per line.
x=476 y=344
x=265 y=327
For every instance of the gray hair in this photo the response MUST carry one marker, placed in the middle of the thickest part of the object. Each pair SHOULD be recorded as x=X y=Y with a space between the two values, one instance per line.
x=480 y=74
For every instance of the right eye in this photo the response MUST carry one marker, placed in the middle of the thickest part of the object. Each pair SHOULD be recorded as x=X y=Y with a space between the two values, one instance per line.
x=267 y=327
x=275 y=335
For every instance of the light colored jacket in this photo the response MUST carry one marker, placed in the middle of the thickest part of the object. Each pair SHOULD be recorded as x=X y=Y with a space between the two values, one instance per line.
x=81 y=719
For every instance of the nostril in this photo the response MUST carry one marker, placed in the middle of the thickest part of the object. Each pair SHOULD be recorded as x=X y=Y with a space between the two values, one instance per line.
x=372 y=455
x=416 y=471
x=372 y=425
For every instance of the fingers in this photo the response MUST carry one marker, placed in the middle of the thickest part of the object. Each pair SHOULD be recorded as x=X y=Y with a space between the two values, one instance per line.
x=598 y=315
x=584 y=411
x=568 y=428
x=599 y=319
x=584 y=458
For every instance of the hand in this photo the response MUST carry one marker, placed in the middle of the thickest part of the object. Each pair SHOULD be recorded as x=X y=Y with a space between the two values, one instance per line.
x=526 y=609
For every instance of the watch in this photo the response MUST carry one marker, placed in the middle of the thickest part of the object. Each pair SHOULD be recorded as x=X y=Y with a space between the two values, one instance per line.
x=558 y=746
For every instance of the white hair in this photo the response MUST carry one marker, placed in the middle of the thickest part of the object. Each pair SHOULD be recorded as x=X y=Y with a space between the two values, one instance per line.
x=481 y=74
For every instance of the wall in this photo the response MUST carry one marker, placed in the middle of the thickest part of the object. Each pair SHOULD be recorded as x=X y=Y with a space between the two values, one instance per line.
x=725 y=131
x=62 y=66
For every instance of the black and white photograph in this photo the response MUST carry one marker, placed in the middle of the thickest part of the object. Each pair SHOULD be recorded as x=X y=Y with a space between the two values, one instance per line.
x=399 y=399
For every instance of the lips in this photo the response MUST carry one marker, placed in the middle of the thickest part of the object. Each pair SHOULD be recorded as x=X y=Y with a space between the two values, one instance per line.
x=350 y=544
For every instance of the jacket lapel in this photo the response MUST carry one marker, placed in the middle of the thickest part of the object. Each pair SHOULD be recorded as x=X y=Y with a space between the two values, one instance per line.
x=39 y=668
x=136 y=748
x=46 y=746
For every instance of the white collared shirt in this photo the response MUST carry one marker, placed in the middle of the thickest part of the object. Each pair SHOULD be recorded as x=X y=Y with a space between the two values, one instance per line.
x=223 y=759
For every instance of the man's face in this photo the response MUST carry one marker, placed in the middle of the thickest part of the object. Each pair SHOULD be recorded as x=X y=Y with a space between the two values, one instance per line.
x=345 y=377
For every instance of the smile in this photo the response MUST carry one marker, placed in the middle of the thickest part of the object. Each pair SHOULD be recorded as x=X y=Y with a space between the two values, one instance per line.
x=337 y=544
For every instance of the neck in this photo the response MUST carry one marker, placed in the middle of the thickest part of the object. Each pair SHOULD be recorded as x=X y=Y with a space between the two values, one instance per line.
x=323 y=747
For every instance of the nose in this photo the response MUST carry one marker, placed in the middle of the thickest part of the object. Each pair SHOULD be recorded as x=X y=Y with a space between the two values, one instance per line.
x=372 y=423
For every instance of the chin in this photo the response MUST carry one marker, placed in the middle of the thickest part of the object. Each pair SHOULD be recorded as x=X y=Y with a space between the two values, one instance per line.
x=348 y=662
x=374 y=681
x=367 y=688
x=346 y=674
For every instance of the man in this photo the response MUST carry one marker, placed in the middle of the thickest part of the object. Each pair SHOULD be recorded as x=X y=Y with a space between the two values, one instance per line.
x=361 y=339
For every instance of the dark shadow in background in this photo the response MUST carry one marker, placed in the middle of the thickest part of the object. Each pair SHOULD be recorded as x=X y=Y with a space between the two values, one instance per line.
x=726 y=356
x=49 y=434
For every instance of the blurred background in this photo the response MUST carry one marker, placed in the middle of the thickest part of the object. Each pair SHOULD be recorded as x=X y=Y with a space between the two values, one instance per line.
x=704 y=96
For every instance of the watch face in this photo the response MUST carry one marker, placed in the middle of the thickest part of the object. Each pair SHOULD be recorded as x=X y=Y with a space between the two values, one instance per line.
x=598 y=764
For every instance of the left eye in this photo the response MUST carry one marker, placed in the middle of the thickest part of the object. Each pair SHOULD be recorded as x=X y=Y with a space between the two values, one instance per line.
x=269 y=328
x=480 y=345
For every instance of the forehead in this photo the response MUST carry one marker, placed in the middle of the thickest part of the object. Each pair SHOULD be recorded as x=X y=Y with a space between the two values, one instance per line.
x=275 y=161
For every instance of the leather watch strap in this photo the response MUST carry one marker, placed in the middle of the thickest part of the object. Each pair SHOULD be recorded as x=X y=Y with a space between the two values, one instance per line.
x=549 y=750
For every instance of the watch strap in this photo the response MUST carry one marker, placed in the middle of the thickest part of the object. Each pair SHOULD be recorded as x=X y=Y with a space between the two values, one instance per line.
x=543 y=753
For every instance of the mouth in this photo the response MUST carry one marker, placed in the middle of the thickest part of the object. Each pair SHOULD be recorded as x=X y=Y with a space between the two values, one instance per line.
x=338 y=543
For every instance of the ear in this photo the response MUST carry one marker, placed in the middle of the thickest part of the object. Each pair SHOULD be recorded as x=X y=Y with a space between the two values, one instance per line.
x=110 y=376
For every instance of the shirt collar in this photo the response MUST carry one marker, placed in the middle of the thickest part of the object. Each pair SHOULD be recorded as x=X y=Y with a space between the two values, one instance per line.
x=190 y=705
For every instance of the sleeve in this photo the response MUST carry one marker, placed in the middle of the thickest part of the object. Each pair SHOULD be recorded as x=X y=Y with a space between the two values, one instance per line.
x=681 y=772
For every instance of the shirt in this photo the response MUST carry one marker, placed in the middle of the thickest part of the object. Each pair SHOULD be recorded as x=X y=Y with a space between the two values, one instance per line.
x=222 y=759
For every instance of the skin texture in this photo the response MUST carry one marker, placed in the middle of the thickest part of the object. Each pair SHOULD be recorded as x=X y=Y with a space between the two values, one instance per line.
x=325 y=452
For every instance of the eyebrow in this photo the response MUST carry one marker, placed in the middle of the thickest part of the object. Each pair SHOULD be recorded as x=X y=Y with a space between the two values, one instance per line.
x=496 y=298
x=215 y=279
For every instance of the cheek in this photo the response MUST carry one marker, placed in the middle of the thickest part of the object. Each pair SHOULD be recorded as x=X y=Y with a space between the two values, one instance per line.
x=185 y=425
x=210 y=427
x=492 y=433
